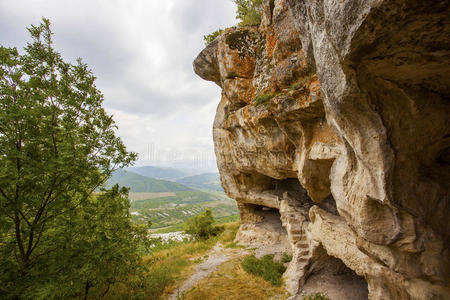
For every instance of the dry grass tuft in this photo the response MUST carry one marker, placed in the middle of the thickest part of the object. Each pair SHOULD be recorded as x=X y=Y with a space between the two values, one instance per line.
x=170 y=267
x=231 y=282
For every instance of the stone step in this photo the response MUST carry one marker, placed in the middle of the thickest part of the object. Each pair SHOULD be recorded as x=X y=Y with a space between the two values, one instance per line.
x=303 y=260
x=296 y=231
x=297 y=237
x=303 y=252
x=295 y=226
x=302 y=245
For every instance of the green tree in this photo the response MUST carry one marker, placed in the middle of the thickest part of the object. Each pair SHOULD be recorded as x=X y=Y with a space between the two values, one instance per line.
x=58 y=236
x=248 y=12
x=201 y=226
x=211 y=37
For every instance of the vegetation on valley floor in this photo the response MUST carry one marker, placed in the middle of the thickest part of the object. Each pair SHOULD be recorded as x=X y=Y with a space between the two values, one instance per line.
x=171 y=212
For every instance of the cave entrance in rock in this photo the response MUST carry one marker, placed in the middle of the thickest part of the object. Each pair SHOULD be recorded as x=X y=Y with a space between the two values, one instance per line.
x=331 y=276
x=292 y=188
x=270 y=218
x=263 y=229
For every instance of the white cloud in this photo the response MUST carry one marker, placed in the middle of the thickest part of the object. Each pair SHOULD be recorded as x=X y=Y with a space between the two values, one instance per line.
x=141 y=52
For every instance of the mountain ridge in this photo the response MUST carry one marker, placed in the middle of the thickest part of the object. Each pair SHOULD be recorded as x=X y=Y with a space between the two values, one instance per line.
x=139 y=183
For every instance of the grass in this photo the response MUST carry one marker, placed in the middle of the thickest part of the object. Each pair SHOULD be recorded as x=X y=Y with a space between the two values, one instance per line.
x=316 y=296
x=164 y=274
x=261 y=99
x=264 y=99
x=231 y=282
x=233 y=245
x=265 y=267
x=171 y=263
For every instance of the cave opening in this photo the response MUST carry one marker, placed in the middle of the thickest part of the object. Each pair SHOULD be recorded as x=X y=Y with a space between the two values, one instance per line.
x=288 y=188
x=330 y=275
x=292 y=188
x=263 y=229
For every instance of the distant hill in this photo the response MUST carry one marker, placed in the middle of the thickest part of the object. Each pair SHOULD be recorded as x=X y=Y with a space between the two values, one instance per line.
x=161 y=173
x=170 y=211
x=143 y=184
x=210 y=181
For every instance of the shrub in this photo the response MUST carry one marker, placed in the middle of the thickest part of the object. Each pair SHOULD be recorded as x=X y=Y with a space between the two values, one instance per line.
x=262 y=99
x=211 y=37
x=286 y=257
x=248 y=12
x=316 y=296
x=301 y=82
x=201 y=226
x=265 y=267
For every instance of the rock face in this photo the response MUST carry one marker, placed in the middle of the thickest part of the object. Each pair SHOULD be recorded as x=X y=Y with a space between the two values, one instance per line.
x=335 y=116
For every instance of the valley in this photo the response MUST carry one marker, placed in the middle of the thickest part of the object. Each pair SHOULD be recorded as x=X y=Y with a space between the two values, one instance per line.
x=168 y=203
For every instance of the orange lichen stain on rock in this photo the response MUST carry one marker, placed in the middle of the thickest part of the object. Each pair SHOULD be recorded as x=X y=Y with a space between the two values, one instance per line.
x=271 y=41
x=239 y=90
x=302 y=58
x=241 y=66
x=313 y=84
x=302 y=96
x=245 y=113
x=305 y=93
x=249 y=94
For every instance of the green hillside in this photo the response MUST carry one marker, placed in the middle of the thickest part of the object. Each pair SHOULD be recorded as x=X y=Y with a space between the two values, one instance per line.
x=210 y=181
x=142 y=184
x=171 y=212
x=169 y=204
x=160 y=173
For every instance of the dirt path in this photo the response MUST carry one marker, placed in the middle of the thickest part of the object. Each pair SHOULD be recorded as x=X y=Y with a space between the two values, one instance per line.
x=217 y=256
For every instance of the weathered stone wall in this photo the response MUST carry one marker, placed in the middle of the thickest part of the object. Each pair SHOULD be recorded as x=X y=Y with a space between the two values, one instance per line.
x=345 y=105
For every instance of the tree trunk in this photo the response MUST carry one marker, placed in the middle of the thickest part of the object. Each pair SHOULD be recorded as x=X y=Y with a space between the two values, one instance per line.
x=86 y=290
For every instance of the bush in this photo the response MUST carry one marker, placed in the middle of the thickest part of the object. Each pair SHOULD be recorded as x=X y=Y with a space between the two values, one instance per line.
x=265 y=267
x=211 y=37
x=248 y=11
x=201 y=226
x=286 y=257
x=316 y=296
x=262 y=99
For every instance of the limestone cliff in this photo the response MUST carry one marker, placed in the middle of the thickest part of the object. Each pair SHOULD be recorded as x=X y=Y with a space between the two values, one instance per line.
x=333 y=135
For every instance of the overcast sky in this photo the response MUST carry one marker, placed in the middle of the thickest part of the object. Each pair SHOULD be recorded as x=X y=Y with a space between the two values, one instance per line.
x=141 y=52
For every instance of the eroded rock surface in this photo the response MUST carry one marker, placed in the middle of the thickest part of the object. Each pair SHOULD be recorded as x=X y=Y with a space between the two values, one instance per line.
x=342 y=106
